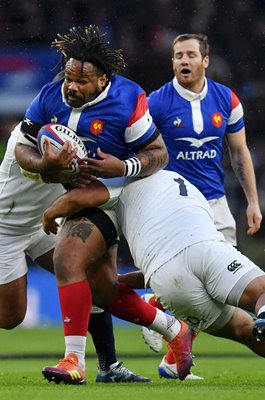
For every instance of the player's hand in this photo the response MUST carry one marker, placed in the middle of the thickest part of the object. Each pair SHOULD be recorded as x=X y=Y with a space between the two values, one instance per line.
x=254 y=218
x=107 y=167
x=83 y=179
x=134 y=280
x=53 y=163
x=49 y=225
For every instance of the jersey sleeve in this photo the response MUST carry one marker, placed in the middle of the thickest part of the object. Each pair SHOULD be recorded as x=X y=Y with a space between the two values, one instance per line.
x=35 y=117
x=140 y=129
x=236 y=119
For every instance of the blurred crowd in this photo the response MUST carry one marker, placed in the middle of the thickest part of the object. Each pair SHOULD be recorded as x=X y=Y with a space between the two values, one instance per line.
x=144 y=29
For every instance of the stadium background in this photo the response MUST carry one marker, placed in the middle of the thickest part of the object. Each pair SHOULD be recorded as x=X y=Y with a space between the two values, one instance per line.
x=144 y=29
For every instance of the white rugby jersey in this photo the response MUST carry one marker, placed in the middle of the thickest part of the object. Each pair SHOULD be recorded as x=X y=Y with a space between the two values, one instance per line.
x=22 y=199
x=161 y=215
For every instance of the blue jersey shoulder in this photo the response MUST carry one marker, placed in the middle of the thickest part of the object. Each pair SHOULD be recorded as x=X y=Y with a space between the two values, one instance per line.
x=125 y=90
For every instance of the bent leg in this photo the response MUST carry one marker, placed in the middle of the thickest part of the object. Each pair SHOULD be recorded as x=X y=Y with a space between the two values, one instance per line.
x=239 y=329
x=79 y=245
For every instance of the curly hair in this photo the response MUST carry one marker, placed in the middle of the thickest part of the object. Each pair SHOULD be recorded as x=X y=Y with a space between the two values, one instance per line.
x=88 y=45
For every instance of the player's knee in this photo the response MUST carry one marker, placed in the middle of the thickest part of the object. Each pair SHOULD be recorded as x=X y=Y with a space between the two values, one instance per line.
x=11 y=321
x=104 y=298
x=62 y=268
x=242 y=328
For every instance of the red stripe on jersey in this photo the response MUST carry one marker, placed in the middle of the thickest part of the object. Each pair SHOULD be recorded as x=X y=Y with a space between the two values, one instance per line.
x=235 y=100
x=140 y=109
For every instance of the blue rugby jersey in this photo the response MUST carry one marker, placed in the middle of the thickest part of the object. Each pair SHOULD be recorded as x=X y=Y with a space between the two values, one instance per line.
x=118 y=120
x=193 y=126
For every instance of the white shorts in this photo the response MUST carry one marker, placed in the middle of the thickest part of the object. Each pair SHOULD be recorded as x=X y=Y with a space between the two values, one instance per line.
x=198 y=282
x=114 y=186
x=13 y=250
x=223 y=219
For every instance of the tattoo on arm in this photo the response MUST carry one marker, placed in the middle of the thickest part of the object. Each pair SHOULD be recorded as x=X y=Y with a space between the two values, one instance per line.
x=81 y=228
x=154 y=158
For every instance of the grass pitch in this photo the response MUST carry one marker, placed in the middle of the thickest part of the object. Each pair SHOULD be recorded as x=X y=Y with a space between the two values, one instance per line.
x=231 y=371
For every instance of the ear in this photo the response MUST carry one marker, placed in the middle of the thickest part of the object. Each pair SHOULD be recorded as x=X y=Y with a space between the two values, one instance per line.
x=102 y=80
x=206 y=61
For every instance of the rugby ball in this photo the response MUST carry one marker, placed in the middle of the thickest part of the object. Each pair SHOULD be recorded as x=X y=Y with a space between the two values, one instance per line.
x=57 y=134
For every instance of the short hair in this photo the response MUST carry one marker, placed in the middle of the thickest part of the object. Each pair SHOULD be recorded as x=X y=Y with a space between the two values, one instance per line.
x=202 y=39
x=88 y=45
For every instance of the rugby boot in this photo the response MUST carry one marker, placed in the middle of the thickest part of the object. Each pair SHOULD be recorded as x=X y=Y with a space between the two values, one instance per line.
x=181 y=347
x=67 y=371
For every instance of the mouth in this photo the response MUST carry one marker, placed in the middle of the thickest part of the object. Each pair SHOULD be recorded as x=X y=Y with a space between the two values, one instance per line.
x=185 y=71
x=71 y=96
x=73 y=99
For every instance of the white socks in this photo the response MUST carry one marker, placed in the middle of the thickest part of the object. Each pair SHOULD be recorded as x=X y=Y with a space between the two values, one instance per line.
x=165 y=324
x=77 y=346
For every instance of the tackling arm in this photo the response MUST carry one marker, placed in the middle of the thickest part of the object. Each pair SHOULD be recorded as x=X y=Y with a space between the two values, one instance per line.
x=134 y=280
x=73 y=201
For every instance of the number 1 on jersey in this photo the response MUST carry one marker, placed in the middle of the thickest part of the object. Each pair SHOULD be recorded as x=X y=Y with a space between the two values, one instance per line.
x=182 y=187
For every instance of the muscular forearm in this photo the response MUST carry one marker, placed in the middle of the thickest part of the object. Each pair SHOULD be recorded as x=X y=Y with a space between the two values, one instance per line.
x=153 y=157
x=244 y=171
x=64 y=206
x=28 y=158
x=75 y=200
x=53 y=167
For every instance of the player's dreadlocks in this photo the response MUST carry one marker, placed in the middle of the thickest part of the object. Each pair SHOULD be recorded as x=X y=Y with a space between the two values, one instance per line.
x=88 y=45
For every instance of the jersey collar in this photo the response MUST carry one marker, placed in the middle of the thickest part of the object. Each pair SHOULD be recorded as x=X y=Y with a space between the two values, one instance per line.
x=187 y=94
x=100 y=97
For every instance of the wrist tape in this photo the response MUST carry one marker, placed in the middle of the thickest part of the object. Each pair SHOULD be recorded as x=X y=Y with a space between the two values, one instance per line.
x=132 y=166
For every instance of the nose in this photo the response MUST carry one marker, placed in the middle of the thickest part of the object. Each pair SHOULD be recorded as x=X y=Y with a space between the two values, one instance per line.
x=185 y=59
x=73 y=86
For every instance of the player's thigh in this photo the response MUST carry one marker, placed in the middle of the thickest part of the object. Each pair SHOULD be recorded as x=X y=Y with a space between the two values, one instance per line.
x=184 y=294
x=224 y=271
x=80 y=244
x=238 y=328
x=83 y=240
